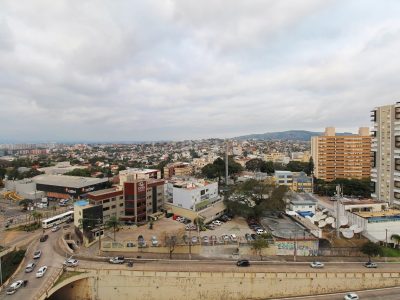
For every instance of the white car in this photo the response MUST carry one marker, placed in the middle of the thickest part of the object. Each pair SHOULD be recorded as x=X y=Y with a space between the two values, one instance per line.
x=71 y=262
x=41 y=272
x=233 y=237
x=317 y=264
x=351 y=296
x=217 y=222
x=260 y=231
x=14 y=287
x=37 y=254
x=56 y=228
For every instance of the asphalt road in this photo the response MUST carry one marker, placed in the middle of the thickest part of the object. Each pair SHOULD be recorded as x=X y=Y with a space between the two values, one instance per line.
x=228 y=266
x=49 y=258
x=381 y=294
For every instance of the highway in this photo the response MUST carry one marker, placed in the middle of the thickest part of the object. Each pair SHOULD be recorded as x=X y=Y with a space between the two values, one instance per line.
x=49 y=258
x=380 y=294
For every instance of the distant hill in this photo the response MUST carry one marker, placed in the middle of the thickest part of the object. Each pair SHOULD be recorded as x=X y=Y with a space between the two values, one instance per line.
x=296 y=135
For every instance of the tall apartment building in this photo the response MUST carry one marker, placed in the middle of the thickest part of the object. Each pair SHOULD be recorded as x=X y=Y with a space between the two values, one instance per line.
x=342 y=156
x=385 y=174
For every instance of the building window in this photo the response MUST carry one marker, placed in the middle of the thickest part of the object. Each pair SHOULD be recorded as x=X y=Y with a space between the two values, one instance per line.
x=113 y=199
x=106 y=201
x=106 y=208
x=121 y=205
x=114 y=206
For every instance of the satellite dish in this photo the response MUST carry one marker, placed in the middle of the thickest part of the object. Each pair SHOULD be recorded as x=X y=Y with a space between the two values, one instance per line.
x=324 y=210
x=348 y=234
x=319 y=213
x=353 y=227
x=329 y=220
x=344 y=221
x=323 y=217
x=333 y=225
x=321 y=224
x=358 y=230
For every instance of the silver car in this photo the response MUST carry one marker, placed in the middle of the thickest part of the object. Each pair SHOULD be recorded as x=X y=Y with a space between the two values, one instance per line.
x=29 y=267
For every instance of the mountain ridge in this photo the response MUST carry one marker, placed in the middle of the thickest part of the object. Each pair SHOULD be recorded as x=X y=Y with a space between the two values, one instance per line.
x=298 y=135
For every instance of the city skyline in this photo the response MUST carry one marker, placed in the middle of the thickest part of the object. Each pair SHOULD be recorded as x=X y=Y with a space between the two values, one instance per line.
x=183 y=70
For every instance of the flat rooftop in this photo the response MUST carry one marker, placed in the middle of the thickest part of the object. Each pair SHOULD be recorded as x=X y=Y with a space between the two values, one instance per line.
x=68 y=181
x=104 y=192
x=383 y=213
x=138 y=170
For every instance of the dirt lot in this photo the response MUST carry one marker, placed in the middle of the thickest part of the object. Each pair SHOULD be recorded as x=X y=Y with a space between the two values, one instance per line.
x=236 y=226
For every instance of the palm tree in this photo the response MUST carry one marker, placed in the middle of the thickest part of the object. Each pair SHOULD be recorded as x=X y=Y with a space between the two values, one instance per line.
x=396 y=238
x=37 y=216
x=113 y=223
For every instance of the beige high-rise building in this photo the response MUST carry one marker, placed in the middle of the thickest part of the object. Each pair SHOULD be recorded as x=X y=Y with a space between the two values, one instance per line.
x=341 y=156
x=385 y=174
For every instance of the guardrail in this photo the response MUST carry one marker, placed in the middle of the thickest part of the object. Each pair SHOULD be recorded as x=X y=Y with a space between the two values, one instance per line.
x=49 y=284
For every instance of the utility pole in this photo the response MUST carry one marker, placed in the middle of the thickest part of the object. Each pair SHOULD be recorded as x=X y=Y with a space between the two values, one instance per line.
x=386 y=237
x=226 y=163
x=190 y=244
x=295 y=246
x=1 y=274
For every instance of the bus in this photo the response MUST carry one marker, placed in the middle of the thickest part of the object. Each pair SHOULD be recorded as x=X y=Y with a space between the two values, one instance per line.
x=53 y=221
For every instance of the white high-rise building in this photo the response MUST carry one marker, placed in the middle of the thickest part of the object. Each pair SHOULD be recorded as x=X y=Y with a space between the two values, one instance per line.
x=385 y=173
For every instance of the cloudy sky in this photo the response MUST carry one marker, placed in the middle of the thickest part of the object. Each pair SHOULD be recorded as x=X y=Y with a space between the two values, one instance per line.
x=180 y=69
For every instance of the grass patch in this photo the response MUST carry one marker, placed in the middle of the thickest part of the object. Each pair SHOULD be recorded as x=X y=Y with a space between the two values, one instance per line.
x=65 y=276
x=10 y=262
x=28 y=228
x=390 y=252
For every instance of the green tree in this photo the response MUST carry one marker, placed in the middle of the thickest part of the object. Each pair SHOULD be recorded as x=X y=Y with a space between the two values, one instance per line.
x=37 y=216
x=310 y=167
x=79 y=172
x=297 y=166
x=396 y=238
x=258 y=245
x=371 y=249
x=113 y=223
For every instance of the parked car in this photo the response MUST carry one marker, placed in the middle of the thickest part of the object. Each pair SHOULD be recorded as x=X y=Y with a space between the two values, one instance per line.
x=260 y=231
x=14 y=287
x=117 y=260
x=351 y=296
x=29 y=267
x=44 y=238
x=190 y=227
x=253 y=236
x=37 y=254
x=226 y=238
x=56 y=228
x=233 y=237
x=243 y=263
x=154 y=241
x=141 y=241
x=370 y=264
x=40 y=273
x=248 y=238
x=71 y=262
x=217 y=222
x=206 y=239
x=194 y=239
x=210 y=226
x=316 y=264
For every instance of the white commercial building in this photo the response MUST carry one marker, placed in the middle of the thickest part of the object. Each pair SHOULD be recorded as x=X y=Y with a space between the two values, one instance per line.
x=194 y=194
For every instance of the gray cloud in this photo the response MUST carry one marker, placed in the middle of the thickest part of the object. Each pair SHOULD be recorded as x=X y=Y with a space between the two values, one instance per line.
x=134 y=70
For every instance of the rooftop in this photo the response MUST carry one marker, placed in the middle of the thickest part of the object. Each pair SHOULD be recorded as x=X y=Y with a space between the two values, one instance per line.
x=383 y=213
x=104 y=192
x=68 y=181
x=138 y=170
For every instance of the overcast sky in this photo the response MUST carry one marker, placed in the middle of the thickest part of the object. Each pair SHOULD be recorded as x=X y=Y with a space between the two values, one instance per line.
x=179 y=69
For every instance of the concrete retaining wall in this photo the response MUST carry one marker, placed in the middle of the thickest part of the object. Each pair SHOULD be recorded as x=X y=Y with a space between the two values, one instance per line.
x=146 y=285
